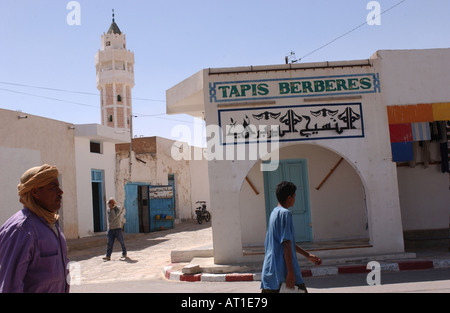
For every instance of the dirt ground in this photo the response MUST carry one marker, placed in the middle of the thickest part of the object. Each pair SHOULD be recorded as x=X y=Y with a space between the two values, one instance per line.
x=147 y=254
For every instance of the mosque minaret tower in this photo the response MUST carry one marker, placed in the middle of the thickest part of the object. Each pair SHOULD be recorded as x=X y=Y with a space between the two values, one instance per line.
x=115 y=78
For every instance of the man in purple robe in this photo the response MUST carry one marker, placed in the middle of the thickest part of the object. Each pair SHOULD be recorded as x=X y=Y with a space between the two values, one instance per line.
x=33 y=251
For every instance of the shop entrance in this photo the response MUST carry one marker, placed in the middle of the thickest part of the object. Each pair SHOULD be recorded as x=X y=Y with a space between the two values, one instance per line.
x=295 y=171
x=148 y=208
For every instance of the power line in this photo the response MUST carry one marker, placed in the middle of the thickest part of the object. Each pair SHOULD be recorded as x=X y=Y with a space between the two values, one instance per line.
x=166 y=117
x=72 y=91
x=157 y=115
x=350 y=31
x=48 y=98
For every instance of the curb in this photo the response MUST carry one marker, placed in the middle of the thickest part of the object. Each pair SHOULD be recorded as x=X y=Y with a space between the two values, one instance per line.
x=410 y=265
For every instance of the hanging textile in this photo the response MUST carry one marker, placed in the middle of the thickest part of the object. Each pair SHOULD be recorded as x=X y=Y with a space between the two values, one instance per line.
x=443 y=145
x=421 y=131
x=402 y=151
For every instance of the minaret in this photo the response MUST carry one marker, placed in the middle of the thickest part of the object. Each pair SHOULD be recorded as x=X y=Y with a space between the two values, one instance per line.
x=115 y=78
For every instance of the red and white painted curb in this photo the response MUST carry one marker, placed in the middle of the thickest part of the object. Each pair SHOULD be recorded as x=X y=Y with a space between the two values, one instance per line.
x=319 y=271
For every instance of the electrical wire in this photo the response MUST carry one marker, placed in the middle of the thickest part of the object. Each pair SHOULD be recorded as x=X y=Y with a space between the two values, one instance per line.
x=157 y=115
x=350 y=31
x=72 y=91
x=48 y=98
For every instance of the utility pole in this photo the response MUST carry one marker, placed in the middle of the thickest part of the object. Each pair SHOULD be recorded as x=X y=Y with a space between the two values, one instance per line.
x=291 y=58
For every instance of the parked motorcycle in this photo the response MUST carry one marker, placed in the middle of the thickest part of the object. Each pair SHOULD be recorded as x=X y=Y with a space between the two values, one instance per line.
x=202 y=213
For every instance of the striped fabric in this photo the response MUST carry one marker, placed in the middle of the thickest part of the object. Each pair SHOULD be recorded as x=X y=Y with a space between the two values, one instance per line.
x=421 y=131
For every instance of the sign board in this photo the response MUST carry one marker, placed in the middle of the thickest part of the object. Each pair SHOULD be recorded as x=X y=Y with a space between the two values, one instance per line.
x=292 y=123
x=266 y=89
x=160 y=192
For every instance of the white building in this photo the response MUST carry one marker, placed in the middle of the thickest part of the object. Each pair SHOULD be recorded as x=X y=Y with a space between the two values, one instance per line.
x=95 y=144
x=96 y=174
x=153 y=165
x=27 y=141
x=91 y=171
x=84 y=154
x=115 y=78
x=147 y=161
x=331 y=137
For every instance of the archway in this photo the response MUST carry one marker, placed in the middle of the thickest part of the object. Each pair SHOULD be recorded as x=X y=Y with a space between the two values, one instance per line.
x=337 y=204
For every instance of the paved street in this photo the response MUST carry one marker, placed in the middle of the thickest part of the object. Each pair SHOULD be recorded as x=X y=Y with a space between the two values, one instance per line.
x=142 y=271
x=417 y=281
x=147 y=254
x=422 y=281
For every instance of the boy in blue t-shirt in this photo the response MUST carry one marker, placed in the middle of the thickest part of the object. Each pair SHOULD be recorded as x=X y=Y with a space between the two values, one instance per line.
x=280 y=261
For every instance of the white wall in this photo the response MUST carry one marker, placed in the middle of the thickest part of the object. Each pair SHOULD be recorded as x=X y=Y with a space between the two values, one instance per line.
x=338 y=208
x=15 y=161
x=199 y=183
x=85 y=162
x=406 y=77
x=33 y=141
x=424 y=195
x=416 y=77
x=182 y=171
x=370 y=158
x=191 y=177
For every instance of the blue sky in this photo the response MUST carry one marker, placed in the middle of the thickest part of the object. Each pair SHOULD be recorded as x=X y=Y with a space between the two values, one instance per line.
x=173 y=39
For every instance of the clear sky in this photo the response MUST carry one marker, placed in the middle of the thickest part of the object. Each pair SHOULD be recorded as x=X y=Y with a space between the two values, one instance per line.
x=173 y=39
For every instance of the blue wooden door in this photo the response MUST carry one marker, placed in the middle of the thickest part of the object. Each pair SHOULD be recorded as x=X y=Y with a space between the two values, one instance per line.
x=294 y=171
x=161 y=203
x=131 y=208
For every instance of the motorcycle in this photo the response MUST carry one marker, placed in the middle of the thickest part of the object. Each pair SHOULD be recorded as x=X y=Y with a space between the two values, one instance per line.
x=202 y=213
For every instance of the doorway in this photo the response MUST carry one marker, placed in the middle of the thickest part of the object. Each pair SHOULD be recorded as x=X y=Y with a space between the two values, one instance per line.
x=295 y=171
x=143 y=209
x=98 y=201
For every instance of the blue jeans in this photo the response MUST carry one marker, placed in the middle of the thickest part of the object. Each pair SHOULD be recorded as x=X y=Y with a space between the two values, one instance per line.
x=112 y=235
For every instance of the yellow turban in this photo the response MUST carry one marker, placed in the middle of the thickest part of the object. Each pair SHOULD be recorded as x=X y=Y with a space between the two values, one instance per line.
x=37 y=177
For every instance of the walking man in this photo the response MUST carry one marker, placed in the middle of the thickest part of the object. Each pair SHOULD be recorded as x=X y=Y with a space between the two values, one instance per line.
x=116 y=221
x=33 y=250
x=280 y=261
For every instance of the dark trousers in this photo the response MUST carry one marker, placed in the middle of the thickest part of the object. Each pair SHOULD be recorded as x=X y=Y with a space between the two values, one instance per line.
x=112 y=235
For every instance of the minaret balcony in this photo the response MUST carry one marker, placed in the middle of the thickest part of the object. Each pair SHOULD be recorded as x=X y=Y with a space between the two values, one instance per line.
x=103 y=56
x=114 y=76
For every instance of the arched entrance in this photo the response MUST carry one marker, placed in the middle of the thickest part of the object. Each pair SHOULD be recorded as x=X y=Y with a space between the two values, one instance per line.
x=334 y=210
x=295 y=171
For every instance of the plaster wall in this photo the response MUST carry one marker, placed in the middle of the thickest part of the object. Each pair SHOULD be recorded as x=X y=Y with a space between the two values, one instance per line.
x=85 y=163
x=362 y=154
x=414 y=77
x=31 y=141
x=338 y=208
x=388 y=200
x=152 y=163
